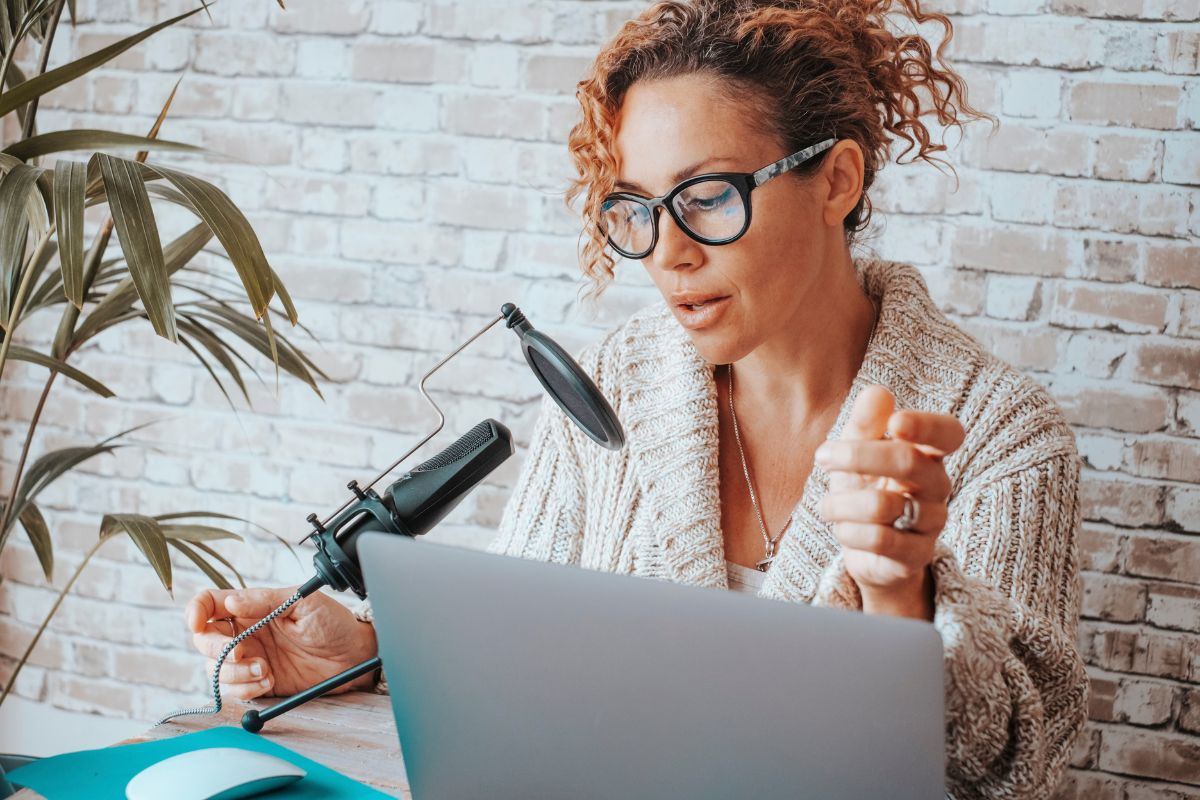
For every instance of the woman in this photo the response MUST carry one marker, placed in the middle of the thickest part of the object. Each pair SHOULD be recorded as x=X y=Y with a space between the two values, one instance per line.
x=800 y=423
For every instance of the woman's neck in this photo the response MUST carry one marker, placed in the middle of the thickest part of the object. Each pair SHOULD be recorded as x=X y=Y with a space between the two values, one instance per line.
x=811 y=363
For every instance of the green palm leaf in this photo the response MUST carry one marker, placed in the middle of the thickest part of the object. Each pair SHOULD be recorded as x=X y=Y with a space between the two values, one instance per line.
x=187 y=343
x=218 y=515
x=38 y=86
x=69 y=180
x=232 y=229
x=37 y=267
x=214 y=554
x=91 y=263
x=117 y=305
x=90 y=139
x=219 y=351
x=50 y=466
x=47 y=468
x=217 y=578
x=196 y=533
x=79 y=376
x=17 y=187
x=39 y=536
x=285 y=355
x=138 y=234
x=147 y=535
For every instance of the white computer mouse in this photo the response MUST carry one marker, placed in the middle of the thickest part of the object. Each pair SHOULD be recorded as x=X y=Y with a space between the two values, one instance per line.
x=213 y=773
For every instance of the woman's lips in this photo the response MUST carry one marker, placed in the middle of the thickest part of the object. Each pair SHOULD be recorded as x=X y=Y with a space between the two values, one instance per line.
x=694 y=317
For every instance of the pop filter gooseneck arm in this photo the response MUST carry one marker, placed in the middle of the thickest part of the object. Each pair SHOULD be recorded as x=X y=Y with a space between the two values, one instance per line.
x=312 y=518
x=560 y=376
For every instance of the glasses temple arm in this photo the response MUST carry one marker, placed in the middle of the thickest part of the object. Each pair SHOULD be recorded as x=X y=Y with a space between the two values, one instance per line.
x=790 y=162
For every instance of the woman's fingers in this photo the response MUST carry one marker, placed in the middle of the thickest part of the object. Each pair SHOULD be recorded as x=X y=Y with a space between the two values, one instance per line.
x=885 y=541
x=943 y=433
x=244 y=680
x=922 y=474
x=199 y=611
x=212 y=643
x=881 y=508
x=253 y=670
x=245 y=691
x=252 y=604
x=869 y=415
x=257 y=603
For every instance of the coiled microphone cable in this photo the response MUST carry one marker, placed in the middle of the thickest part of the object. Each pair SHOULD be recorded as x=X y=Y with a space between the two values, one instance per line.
x=215 y=708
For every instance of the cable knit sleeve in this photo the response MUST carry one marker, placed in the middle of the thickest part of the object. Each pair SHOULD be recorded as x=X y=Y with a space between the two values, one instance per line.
x=543 y=519
x=1007 y=607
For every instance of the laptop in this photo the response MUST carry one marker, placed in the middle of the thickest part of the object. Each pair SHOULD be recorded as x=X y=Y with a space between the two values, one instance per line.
x=513 y=678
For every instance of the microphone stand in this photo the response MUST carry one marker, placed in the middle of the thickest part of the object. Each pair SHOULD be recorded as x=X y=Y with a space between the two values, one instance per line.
x=253 y=720
x=555 y=370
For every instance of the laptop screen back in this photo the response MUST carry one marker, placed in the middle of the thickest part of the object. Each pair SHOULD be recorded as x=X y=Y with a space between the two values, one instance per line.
x=519 y=679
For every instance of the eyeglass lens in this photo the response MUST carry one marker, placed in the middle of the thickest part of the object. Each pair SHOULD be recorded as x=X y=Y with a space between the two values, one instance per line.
x=711 y=210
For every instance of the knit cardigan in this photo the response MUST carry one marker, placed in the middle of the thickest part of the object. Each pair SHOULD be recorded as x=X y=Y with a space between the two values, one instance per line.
x=1006 y=565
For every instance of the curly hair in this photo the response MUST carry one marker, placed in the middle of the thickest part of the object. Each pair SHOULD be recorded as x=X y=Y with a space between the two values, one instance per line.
x=808 y=69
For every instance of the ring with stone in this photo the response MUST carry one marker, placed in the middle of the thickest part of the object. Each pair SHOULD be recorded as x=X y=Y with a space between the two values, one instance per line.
x=908 y=520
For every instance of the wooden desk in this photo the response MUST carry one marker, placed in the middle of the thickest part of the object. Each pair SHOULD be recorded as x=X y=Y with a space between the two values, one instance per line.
x=352 y=733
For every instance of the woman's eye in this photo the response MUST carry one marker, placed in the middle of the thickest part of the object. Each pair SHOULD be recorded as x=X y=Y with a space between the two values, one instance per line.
x=711 y=203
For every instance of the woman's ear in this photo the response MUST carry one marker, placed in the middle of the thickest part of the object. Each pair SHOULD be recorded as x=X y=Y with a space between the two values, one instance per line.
x=841 y=179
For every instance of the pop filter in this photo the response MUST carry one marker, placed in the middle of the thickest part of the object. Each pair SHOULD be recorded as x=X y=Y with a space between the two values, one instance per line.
x=566 y=382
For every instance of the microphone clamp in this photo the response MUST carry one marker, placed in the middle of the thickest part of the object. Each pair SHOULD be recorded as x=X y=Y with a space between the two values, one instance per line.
x=334 y=566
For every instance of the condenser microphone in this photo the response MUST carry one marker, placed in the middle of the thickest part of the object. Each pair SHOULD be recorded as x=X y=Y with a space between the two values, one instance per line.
x=411 y=506
x=421 y=498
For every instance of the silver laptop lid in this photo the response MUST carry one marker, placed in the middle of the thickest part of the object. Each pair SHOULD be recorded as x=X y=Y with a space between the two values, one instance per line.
x=512 y=678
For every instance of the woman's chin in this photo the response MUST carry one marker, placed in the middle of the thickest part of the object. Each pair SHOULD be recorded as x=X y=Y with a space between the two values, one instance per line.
x=715 y=348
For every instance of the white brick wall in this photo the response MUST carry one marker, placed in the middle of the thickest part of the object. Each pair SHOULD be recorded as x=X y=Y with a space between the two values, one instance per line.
x=403 y=163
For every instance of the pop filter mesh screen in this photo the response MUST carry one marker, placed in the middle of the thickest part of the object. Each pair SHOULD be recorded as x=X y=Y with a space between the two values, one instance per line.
x=565 y=393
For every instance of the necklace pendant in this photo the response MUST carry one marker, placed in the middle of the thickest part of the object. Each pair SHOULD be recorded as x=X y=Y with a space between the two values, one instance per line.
x=761 y=566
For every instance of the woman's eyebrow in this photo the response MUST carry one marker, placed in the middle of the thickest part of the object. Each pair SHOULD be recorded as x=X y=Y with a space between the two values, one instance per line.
x=686 y=172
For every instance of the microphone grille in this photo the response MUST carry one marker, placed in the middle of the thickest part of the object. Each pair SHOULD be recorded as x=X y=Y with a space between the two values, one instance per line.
x=467 y=444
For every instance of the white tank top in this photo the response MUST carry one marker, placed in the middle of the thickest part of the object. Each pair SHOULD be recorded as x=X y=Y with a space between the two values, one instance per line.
x=744 y=579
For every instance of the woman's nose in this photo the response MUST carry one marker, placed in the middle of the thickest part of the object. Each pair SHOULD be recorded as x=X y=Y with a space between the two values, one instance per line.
x=675 y=249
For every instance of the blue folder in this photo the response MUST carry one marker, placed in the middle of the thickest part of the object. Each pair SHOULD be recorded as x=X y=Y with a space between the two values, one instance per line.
x=102 y=774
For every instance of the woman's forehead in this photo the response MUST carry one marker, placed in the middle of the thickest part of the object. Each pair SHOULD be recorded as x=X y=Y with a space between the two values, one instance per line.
x=665 y=126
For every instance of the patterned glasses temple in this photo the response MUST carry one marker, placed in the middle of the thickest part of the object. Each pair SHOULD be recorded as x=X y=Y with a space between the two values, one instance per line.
x=790 y=162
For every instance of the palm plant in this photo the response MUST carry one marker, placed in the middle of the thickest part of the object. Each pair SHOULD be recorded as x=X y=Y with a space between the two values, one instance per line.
x=45 y=267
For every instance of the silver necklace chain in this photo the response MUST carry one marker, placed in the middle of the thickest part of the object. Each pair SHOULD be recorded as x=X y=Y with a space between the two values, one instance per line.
x=770 y=546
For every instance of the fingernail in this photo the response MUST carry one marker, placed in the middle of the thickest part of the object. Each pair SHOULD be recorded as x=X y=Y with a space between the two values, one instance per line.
x=256 y=669
x=265 y=683
x=824 y=454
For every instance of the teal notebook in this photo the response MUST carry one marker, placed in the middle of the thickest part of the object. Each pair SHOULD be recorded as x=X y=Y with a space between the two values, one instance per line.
x=102 y=774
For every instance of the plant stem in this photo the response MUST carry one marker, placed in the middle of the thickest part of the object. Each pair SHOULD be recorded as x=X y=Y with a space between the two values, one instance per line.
x=10 y=504
x=53 y=609
x=27 y=130
x=19 y=299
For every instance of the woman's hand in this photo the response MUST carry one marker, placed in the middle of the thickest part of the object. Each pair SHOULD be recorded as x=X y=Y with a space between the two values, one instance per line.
x=868 y=478
x=313 y=640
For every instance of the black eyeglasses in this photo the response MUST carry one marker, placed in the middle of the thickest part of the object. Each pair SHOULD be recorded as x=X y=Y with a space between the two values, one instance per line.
x=712 y=208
